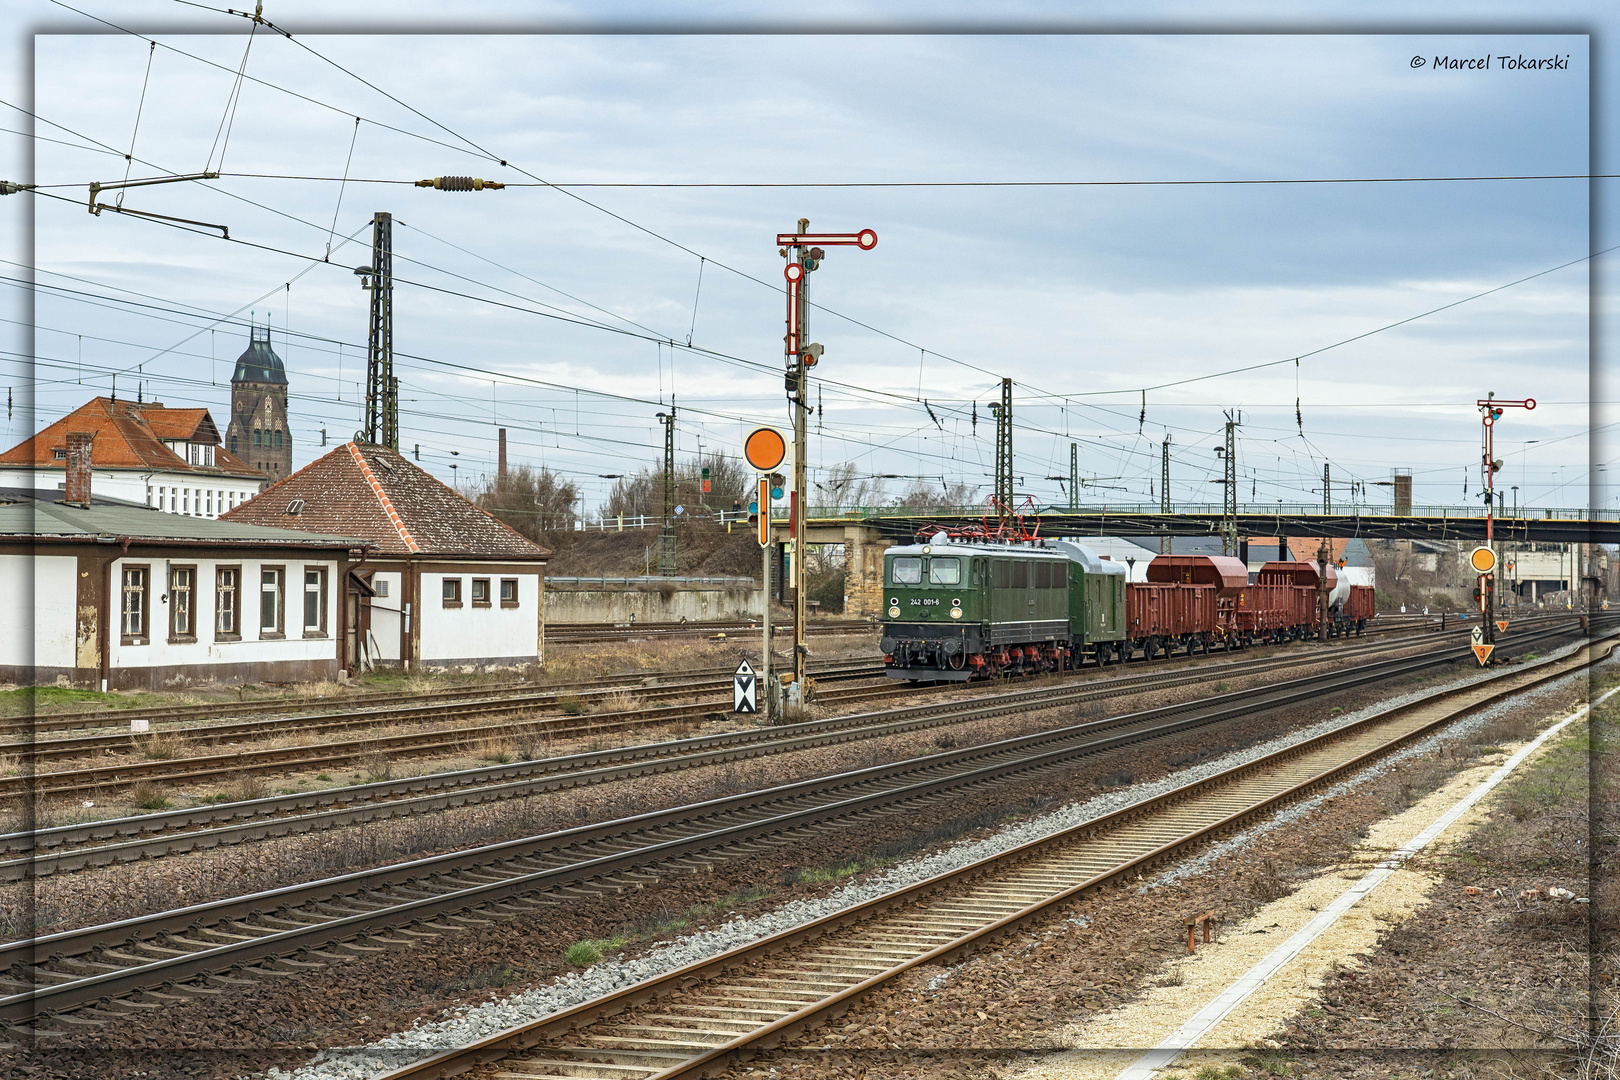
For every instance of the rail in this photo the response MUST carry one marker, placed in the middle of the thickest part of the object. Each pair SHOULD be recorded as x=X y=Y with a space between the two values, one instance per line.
x=390 y=907
x=686 y=1023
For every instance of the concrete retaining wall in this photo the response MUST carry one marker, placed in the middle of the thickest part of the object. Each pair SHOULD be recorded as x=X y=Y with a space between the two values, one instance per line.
x=618 y=600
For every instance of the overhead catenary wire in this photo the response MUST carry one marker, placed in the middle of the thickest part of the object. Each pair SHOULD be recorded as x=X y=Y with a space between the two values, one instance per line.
x=703 y=260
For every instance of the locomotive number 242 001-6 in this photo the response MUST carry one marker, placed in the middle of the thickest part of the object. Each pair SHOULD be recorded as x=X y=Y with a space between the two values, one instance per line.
x=924 y=601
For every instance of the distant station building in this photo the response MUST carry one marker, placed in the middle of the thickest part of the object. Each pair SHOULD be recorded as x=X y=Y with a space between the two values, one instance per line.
x=108 y=593
x=259 y=432
x=140 y=452
x=445 y=584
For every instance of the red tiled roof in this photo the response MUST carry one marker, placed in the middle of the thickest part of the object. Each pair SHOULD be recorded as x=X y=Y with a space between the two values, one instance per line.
x=375 y=494
x=128 y=436
x=192 y=425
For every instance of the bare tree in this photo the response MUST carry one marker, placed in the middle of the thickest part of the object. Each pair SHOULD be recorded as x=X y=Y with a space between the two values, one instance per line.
x=926 y=498
x=529 y=500
x=643 y=493
x=846 y=486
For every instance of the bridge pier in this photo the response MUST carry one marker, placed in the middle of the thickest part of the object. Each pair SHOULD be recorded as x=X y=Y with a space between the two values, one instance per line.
x=863 y=572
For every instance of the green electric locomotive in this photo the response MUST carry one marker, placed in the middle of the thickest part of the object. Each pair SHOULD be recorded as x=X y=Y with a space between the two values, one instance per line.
x=963 y=610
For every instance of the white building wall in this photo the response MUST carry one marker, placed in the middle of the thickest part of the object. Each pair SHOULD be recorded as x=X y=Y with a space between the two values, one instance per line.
x=254 y=646
x=386 y=615
x=186 y=494
x=37 y=599
x=471 y=632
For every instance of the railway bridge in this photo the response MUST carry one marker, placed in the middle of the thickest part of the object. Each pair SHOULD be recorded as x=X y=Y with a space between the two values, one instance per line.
x=867 y=531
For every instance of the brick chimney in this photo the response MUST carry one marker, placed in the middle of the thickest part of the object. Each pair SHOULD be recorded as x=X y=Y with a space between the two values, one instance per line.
x=78 y=468
x=500 y=468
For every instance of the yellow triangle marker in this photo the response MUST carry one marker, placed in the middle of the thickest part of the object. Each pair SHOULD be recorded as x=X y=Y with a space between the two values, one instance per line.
x=1483 y=652
x=1501 y=626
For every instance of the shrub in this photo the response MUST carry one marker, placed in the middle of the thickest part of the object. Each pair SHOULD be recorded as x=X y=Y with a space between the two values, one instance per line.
x=379 y=767
x=583 y=953
x=571 y=706
x=250 y=787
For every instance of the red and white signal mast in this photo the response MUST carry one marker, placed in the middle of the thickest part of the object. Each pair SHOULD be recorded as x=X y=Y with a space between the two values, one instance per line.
x=1483 y=559
x=803 y=251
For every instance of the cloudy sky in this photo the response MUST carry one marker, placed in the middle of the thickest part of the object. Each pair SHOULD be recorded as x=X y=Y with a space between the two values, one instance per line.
x=638 y=264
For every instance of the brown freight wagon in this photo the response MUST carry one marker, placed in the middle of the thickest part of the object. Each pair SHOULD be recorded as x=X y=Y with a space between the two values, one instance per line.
x=1268 y=612
x=1228 y=576
x=1303 y=601
x=1360 y=604
x=1160 y=617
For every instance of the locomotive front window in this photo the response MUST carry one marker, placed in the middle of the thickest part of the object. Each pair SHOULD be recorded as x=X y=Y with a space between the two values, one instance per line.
x=907 y=570
x=945 y=570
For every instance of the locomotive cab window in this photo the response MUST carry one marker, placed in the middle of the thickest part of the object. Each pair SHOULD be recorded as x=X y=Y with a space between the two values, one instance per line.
x=945 y=570
x=907 y=570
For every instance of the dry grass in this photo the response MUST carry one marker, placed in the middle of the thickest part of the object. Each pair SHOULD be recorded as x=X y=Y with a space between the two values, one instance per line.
x=149 y=796
x=160 y=745
x=618 y=701
x=499 y=750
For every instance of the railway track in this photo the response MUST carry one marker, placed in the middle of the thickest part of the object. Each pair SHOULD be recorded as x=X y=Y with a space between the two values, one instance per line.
x=214 y=734
x=707 y=1015
x=440 y=700
x=293 y=931
x=229 y=763
x=54 y=850
x=177 y=714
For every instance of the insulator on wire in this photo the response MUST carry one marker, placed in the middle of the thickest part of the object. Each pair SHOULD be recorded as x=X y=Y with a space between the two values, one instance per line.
x=460 y=183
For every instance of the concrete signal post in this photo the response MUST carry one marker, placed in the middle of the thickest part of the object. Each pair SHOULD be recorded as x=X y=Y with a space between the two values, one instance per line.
x=1484 y=559
x=764 y=449
x=803 y=251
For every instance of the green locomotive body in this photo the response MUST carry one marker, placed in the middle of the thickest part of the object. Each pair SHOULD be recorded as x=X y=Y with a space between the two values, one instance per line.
x=958 y=611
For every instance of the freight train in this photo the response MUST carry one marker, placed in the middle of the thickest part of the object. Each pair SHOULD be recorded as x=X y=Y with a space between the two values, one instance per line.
x=968 y=609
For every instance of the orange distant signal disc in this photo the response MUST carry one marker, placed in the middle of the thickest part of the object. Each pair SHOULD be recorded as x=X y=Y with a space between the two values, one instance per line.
x=1483 y=560
x=764 y=448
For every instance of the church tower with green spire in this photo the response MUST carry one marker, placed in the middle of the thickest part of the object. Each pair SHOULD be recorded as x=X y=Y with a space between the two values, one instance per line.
x=258 y=432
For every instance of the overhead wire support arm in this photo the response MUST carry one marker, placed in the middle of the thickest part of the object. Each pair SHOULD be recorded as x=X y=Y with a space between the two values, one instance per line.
x=96 y=207
x=97 y=187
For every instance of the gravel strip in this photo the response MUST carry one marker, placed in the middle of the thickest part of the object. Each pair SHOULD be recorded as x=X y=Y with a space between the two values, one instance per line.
x=462 y=1026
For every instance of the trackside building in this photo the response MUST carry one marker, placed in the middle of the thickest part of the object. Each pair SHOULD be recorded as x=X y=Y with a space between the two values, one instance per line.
x=443 y=583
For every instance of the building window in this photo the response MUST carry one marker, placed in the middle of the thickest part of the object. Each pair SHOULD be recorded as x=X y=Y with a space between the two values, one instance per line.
x=174 y=499
x=270 y=603
x=509 y=592
x=278 y=438
x=257 y=440
x=185 y=500
x=233 y=444
x=133 y=621
x=314 y=602
x=381 y=587
x=182 y=608
x=480 y=592
x=59 y=454
x=149 y=495
x=227 y=582
x=210 y=502
x=452 y=592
